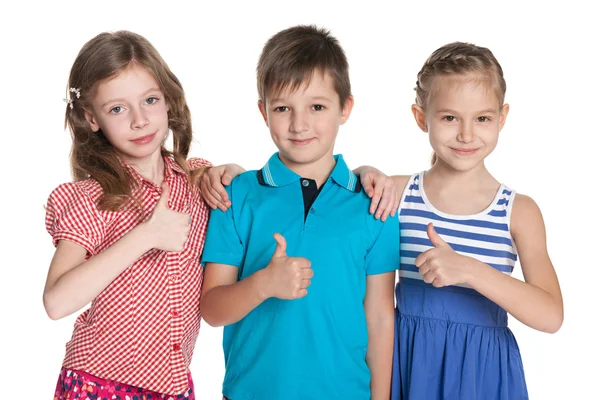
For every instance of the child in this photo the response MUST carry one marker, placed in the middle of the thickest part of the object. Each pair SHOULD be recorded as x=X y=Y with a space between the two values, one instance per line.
x=461 y=232
x=452 y=339
x=129 y=231
x=304 y=211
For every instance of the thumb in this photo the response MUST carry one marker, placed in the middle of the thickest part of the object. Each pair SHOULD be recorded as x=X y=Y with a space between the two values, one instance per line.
x=164 y=196
x=281 y=246
x=436 y=239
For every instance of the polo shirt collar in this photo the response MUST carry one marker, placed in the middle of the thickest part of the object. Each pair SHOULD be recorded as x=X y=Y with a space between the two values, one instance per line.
x=276 y=174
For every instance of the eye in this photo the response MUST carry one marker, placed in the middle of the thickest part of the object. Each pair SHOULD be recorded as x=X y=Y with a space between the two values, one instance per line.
x=449 y=118
x=281 y=109
x=151 y=100
x=483 y=119
x=116 y=110
x=318 y=107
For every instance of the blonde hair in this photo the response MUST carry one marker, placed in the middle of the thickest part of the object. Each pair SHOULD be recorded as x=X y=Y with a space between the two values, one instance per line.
x=92 y=155
x=458 y=59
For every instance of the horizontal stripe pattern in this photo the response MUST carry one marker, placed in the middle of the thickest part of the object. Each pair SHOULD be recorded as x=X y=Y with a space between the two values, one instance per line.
x=484 y=236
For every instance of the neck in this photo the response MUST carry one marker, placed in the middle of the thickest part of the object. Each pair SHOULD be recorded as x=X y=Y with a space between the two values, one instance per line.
x=448 y=176
x=151 y=168
x=318 y=170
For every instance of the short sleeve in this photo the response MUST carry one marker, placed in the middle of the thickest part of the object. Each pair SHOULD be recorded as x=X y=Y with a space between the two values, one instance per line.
x=72 y=215
x=195 y=163
x=384 y=255
x=223 y=244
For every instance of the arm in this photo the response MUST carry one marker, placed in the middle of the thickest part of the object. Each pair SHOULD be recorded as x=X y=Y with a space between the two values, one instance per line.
x=226 y=301
x=379 y=310
x=537 y=302
x=68 y=272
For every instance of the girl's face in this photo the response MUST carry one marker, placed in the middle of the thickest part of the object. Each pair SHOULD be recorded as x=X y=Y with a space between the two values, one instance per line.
x=463 y=118
x=131 y=111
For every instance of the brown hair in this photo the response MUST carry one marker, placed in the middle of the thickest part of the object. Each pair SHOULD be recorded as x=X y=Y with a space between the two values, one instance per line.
x=459 y=58
x=92 y=155
x=291 y=56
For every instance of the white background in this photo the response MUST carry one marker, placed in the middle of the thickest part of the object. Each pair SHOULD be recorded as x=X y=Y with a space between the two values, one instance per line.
x=547 y=150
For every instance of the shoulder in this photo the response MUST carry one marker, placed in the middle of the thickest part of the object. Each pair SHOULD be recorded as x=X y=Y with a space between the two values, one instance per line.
x=402 y=181
x=88 y=190
x=526 y=216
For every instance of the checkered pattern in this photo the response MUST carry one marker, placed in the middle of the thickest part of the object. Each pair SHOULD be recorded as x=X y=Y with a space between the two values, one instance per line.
x=141 y=330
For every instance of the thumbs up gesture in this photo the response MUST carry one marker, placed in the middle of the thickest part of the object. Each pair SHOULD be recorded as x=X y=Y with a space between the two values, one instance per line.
x=286 y=277
x=442 y=266
x=168 y=229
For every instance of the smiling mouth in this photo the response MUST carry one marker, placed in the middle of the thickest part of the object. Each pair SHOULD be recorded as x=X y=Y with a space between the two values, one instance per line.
x=301 y=142
x=144 y=139
x=464 y=152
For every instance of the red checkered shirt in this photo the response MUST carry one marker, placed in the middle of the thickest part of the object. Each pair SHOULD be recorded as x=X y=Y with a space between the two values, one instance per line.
x=142 y=328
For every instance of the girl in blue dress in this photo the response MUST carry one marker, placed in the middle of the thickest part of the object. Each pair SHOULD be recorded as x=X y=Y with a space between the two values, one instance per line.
x=461 y=234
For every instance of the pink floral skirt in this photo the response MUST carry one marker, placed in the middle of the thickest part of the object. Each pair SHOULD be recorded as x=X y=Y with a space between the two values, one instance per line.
x=74 y=384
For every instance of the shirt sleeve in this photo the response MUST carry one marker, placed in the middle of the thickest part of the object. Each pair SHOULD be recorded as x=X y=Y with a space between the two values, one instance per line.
x=223 y=244
x=384 y=255
x=72 y=215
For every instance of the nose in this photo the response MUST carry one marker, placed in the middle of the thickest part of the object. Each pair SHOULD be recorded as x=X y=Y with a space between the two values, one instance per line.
x=466 y=133
x=299 y=122
x=139 y=120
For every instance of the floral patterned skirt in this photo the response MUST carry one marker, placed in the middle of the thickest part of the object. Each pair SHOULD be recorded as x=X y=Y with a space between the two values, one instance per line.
x=74 y=384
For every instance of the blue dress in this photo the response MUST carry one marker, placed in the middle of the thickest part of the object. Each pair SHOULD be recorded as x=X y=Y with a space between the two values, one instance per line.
x=452 y=342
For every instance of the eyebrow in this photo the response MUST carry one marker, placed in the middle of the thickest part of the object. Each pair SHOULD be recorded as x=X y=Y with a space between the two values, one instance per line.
x=315 y=98
x=449 y=111
x=123 y=100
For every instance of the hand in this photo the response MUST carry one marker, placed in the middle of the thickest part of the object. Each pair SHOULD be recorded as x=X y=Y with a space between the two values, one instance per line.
x=168 y=229
x=213 y=182
x=383 y=190
x=286 y=277
x=442 y=266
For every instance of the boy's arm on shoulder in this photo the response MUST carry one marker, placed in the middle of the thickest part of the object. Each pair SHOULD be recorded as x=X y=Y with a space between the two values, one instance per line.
x=225 y=300
x=529 y=233
x=379 y=311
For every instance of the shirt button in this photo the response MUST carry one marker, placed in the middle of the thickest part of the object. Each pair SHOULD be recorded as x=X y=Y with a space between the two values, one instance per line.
x=174 y=278
x=176 y=347
x=312 y=210
x=175 y=313
x=305 y=183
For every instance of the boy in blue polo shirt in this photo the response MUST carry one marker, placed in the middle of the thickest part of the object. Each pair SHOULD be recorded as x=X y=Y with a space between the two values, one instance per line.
x=297 y=270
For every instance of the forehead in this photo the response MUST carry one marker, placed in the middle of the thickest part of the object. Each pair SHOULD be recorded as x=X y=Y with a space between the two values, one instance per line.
x=134 y=80
x=469 y=92
x=318 y=84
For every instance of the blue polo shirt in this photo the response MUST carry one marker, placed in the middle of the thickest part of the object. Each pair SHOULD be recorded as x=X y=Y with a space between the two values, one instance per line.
x=314 y=347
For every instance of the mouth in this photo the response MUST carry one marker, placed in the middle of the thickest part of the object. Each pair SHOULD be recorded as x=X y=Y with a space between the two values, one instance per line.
x=464 y=152
x=144 y=139
x=303 y=142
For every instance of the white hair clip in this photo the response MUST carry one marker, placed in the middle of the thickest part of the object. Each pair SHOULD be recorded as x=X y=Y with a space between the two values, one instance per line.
x=69 y=101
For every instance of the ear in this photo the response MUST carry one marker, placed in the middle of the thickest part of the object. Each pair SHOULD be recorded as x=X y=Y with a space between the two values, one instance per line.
x=419 y=115
x=91 y=119
x=263 y=111
x=347 y=109
x=503 y=114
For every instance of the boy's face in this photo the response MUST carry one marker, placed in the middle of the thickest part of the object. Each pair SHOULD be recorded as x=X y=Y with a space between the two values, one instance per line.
x=304 y=123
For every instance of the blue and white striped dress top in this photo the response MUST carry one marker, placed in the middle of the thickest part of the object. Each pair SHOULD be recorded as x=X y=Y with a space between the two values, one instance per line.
x=484 y=236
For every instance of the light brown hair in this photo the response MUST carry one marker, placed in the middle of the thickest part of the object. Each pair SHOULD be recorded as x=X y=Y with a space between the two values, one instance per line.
x=291 y=57
x=459 y=59
x=92 y=155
